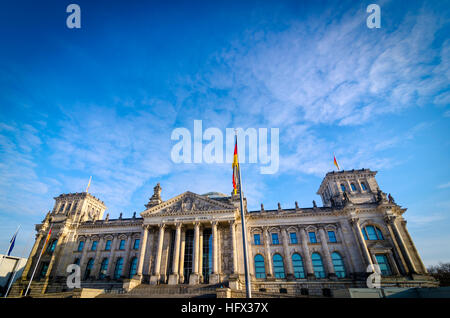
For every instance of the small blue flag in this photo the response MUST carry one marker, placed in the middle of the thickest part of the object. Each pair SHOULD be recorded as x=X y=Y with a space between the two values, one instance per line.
x=13 y=241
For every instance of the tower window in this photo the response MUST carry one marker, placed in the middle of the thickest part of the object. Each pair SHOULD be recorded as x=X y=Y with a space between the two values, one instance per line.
x=353 y=187
x=94 y=246
x=372 y=233
x=312 y=237
x=332 y=236
x=122 y=245
x=80 y=246
x=363 y=186
x=293 y=237
x=342 y=187
x=108 y=245
x=136 y=244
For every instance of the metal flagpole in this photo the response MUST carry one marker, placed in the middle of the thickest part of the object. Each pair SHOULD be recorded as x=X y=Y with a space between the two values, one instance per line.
x=37 y=263
x=15 y=272
x=248 y=288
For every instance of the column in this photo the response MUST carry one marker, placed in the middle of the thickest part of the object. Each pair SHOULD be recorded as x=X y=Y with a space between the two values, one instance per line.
x=362 y=243
x=156 y=275
x=112 y=263
x=142 y=250
x=173 y=278
x=32 y=254
x=326 y=253
x=287 y=255
x=87 y=242
x=182 y=247
x=126 y=260
x=307 y=255
x=390 y=221
x=52 y=262
x=405 y=230
x=214 y=279
x=194 y=277
x=268 y=258
x=97 y=260
x=233 y=241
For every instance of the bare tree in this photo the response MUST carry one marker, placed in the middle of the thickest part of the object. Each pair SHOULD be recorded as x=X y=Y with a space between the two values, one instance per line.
x=441 y=272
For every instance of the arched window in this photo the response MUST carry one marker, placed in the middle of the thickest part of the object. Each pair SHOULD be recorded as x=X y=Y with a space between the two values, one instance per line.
x=103 y=268
x=89 y=266
x=338 y=265
x=133 y=267
x=278 y=266
x=260 y=269
x=118 y=269
x=353 y=186
x=319 y=271
x=297 y=263
x=372 y=233
x=363 y=186
x=342 y=187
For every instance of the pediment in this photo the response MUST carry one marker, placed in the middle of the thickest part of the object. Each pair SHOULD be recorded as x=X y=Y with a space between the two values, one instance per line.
x=188 y=203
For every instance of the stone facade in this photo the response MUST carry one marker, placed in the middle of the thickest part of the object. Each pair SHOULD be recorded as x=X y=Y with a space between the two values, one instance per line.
x=197 y=239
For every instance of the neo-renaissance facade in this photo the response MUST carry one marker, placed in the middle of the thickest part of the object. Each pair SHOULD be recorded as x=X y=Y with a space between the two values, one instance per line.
x=196 y=239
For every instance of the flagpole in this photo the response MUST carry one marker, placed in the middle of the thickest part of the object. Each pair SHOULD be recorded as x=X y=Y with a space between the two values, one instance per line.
x=248 y=288
x=15 y=272
x=10 y=243
x=37 y=263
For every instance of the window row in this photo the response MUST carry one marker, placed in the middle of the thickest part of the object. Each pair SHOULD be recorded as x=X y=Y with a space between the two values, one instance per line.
x=108 y=245
x=353 y=187
x=118 y=268
x=293 y=238
x=298 y=266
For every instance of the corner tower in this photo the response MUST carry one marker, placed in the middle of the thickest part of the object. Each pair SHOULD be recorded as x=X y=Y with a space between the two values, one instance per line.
x=355 y=186
x=80 y=207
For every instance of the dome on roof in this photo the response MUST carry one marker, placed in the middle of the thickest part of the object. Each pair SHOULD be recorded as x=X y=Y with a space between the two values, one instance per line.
x=215 y=195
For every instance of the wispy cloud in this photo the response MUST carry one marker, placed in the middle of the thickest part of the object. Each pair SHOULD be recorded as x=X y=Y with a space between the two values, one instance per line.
x=444 y=185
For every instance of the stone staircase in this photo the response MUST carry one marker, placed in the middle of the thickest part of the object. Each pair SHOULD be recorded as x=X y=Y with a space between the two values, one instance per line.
x=166 y=291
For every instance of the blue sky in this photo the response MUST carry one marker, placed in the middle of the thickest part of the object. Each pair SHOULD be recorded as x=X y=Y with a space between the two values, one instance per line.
x=103 y=101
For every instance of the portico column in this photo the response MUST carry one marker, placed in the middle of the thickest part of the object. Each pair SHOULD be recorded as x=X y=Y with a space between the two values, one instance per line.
x=362 y=242
x=214 y=279
x=173 y=278
x=287 y=255
x=155 y=277
x=194 y=277
x=142 y=248
x=233 y=241
x=268 y=254
x=182 y=247
x=326 y=253
x=200 y=256
x=306 y=254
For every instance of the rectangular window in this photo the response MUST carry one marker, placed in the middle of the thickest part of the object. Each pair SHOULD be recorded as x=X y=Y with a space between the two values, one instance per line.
x=122 y=245
x=108 y=245
x=94 y=245
x=293 y=237
x=257 y=239
x=384 y=264
x=136 y=244
x=312 y=237
x=332 y=236
x=80 y=246
x=275 y=239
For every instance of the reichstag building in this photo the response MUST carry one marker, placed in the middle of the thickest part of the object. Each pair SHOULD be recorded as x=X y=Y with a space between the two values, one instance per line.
x=196 y=240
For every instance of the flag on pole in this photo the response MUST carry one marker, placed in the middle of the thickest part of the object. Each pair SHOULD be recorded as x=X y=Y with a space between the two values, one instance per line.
x=336 y=163
x=12 y=242
x=235 y=168
x=89 y=184
x=46 y=241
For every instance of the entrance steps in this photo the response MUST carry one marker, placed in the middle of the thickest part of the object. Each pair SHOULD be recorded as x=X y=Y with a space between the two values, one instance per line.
x=167 y=291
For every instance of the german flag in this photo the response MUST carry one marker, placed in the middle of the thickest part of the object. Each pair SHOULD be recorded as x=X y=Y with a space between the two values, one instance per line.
x=46 y=241
x=336 y=163
x=235 y=168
